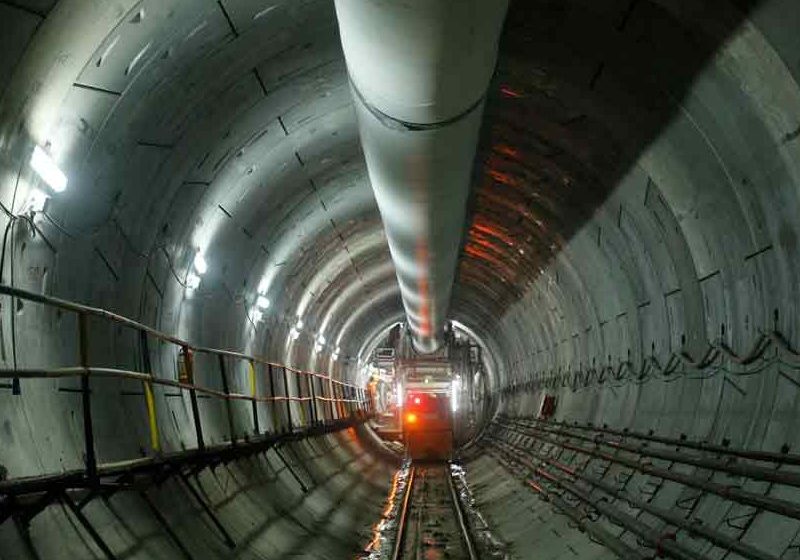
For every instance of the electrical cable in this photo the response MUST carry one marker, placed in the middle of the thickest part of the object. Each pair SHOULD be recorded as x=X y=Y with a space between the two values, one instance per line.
x=677 y=367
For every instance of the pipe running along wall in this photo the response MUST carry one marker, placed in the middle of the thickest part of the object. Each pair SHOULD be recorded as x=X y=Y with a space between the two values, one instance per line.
x=419 y=71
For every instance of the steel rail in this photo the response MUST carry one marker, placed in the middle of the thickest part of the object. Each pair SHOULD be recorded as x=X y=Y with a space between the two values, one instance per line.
x=595 y=530
x=463 y=524
x=775 y=505
x=657 y=540
x=749 y=471
x=458 y=510
x=752 y=454
x=693 y=528
x=397 y=550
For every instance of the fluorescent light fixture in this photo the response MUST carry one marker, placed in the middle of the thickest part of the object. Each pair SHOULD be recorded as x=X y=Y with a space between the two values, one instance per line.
x=200 y=264
x=192 y=281
x=263 y=286
x=299 y=324
x=454 y=391
x=256 y=315
x=262 y=302
x=36 y=200
x=43 y=164
x=399 y=396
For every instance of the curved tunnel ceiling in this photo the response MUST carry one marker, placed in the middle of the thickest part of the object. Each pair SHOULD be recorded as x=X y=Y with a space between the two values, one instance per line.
x=635 y=192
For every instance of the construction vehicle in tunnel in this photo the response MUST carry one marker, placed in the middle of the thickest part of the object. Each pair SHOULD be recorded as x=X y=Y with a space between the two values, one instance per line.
x=428 y=424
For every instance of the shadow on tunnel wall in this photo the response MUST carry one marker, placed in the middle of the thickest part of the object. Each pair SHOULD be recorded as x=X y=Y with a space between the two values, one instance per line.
x=582 y=88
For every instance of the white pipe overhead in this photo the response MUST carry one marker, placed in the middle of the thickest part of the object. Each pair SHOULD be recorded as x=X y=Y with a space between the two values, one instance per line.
x=419 y=70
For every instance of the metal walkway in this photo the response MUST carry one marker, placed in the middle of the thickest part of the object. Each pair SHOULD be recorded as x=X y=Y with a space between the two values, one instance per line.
x=317 y=405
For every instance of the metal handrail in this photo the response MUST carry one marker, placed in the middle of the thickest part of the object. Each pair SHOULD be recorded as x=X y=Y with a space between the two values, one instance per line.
x=79 y=371
x=114 y=317
x=342 y=395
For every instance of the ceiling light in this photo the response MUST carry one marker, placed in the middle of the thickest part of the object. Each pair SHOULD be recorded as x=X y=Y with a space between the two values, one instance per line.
x=321 y=339
x=262 y=302
x=36 y=200
x=192 y=281
x=294 y=334
x=299 y=324
x=263 y=286
x=200 y=264
x=256 y=315
x=43 y=164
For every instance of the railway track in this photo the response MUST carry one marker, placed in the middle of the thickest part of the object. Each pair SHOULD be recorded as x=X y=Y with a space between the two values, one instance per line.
x=432 y=524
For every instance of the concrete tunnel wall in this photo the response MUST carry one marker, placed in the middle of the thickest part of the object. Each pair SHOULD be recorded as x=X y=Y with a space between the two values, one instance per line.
x=637 y=189
x=696 y=245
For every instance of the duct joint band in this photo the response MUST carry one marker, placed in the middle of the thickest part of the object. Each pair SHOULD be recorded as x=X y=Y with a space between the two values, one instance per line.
x=397 y=124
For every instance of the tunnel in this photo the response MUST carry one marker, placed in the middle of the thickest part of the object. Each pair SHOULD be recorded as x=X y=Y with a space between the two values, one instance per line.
x=195 y=273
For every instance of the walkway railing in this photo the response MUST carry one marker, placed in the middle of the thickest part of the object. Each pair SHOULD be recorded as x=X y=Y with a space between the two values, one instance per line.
x=327 y=401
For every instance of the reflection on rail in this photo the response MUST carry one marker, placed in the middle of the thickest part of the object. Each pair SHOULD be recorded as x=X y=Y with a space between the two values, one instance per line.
x=432 y=523
x=387 y=525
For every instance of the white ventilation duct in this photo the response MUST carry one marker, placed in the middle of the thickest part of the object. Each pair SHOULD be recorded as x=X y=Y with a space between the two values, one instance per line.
x=419 y=71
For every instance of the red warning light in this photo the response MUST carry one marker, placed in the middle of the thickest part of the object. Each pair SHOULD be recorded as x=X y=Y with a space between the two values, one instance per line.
x=509 y=92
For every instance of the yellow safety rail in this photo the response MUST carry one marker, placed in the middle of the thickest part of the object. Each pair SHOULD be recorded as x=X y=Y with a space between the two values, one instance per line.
x=344 y=398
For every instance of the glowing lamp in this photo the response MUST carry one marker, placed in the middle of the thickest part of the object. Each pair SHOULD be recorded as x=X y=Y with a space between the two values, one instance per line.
x=36 y=200
x=200 y=264
x=46 y=168
x=192 y=281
